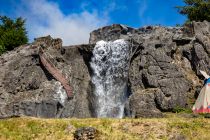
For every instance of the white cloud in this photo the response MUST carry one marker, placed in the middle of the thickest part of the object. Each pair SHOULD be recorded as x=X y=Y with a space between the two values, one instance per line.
x=46 y=18
x=142 y=8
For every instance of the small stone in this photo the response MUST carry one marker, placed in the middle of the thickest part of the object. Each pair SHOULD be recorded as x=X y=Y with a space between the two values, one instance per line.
x=86 y=133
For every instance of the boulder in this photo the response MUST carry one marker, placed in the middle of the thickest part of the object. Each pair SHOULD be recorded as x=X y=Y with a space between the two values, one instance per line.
x=142 y=104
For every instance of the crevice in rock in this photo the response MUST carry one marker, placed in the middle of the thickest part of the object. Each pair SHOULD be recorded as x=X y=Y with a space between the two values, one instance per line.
x=136 y=53
x=87 y=55
x=59 y=110
x=158 y=46
x=35 y=59
x=146 y=83
x=182 y=41
x=91 y=99
x=157 y=105
x=172 y=53
x=129 y=91
x=127 y=110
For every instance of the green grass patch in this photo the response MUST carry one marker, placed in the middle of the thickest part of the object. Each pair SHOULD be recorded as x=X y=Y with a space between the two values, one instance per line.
x=170 y=127
x=178 y=109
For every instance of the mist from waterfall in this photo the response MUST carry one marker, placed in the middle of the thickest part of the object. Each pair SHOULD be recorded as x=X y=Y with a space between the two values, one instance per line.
x=110 y=72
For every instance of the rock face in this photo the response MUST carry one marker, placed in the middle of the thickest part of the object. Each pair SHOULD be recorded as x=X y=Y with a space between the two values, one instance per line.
x=164 y=69
x=27 y=88
x=163 y=74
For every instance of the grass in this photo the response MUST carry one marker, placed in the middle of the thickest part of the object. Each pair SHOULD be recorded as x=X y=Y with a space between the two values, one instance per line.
x=178 y=109
x=173 y=126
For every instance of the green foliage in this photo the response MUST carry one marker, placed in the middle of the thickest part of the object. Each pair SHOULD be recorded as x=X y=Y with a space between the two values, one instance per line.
x=179 y=109
x=12 y=33
x=2 y=49
x=196 y=10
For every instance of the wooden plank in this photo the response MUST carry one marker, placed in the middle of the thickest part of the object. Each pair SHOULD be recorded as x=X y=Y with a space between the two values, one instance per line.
x=56 y=74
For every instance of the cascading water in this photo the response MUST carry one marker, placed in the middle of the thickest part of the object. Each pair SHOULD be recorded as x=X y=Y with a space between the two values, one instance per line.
x=110 y=72
x=60 y=95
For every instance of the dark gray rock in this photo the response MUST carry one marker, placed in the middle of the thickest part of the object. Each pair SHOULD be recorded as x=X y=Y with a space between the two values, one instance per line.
x=27 y=88
x=44 y=109
x=142 y=104
x=86 y=133
x=158 y=71
x=110 y=33
x=78 y=58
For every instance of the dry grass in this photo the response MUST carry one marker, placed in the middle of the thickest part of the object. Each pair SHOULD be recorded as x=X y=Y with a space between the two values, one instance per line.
x=171 y=127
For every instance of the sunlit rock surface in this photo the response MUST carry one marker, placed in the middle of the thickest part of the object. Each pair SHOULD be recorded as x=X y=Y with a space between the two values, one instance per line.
x=163 y=72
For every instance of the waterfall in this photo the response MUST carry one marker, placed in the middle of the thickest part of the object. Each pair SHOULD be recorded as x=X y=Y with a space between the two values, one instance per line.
x=110 y=72
x=60 y=94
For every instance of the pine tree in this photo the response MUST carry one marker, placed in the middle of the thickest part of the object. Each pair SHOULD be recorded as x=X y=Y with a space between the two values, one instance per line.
x=196 y=10
x=12 y=33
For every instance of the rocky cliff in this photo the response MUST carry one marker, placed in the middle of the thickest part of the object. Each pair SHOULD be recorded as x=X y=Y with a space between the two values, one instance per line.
x=163 y=73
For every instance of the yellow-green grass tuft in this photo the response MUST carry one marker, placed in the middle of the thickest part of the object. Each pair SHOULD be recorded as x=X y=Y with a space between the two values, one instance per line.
x=171 y=127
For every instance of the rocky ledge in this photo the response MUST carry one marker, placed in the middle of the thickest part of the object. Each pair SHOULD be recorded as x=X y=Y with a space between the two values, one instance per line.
x=163 y=74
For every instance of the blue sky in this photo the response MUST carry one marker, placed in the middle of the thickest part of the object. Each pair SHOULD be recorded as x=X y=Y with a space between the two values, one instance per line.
x=72 y=20
x=134 y=13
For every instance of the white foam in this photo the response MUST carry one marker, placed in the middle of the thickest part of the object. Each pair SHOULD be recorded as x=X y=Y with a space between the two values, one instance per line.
x=110 y=66
x=60 y=95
